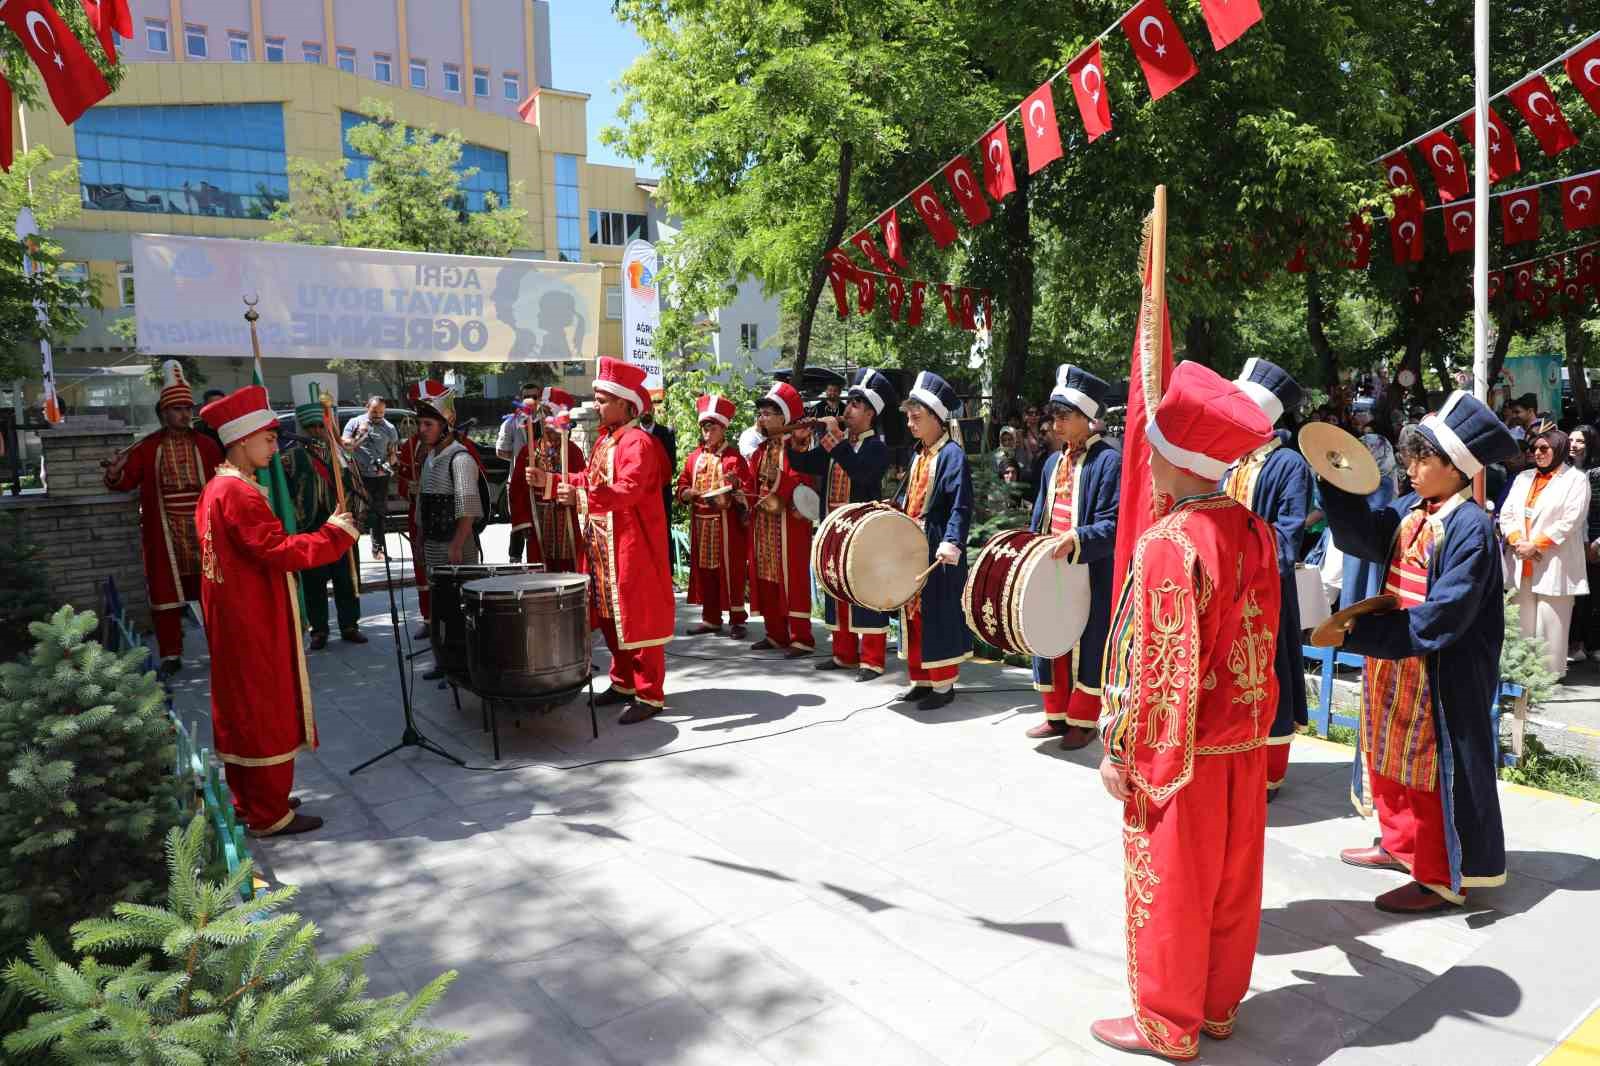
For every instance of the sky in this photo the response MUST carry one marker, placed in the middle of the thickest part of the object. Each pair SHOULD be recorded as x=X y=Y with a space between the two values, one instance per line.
x=589 y=50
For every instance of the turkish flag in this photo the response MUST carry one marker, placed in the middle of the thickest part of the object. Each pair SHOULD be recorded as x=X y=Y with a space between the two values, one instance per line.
x=6 y=149
x=1088 y=77
x=931 y=210
x=1572 y=295
x=964 y=184
x=1519 y=216
x=1537 y=102
x=1458 y=228
x=869 y=248
x=69 y=73
x=969 y=310
x=1039 y=130
x=999 y=180
x=1522 y=281
x=1497 y=280
x=1580 y=202
x=919 y=291
x=947 y=293
x=895 y=290
x=1539 y=298
x=1158 y=46
x=889 y=223
x=1228 y=19
x=1405 y=238
x=1588 y=262
x=1359 y=242
x=1503 y=158
x=1403 y=180
x=1583 y=70
x=1439 y=151
x=840 y=272
x=866 y=291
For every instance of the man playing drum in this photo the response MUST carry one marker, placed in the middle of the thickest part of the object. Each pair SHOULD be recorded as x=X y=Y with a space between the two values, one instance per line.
x=851 y=464
x=1079 y=491
x=551 y=531
x=780 y=537
x=716 y=484
x=937 y=492
x=1274 y=481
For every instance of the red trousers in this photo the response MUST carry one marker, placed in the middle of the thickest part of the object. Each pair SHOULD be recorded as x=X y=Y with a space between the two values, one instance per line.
x=168 y=622
x=637 y=672
x=1278 y=763
x=869 y=650
x=1067 y=703
x=1411 y=822
x=787 y=618
x=261 y=794
x=941 y=678
x=1193 y=901
x=714 y=593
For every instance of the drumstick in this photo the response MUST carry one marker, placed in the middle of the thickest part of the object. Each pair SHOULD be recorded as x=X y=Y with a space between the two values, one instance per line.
x=924 y=575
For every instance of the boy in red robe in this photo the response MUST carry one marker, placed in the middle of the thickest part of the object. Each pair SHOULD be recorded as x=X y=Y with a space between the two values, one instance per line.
x=1187 y=707
x=780 y=536
x=551 y=531
x=261 y=714
x=716 y=483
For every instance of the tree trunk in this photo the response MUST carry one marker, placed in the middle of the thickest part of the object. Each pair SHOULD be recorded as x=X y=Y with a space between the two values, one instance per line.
x=1316 y=315
x=1018 y=304
x=819 y=271
x=1502 y=345
x=1200 y=340
x=1577 y=359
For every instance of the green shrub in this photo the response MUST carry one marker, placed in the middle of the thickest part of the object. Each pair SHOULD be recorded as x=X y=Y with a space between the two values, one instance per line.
x=24 y=589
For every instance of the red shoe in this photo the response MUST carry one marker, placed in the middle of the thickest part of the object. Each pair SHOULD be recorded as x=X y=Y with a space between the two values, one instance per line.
x=1124 y=1035
x=1373 y=858
x=1077 y=737
x=1414 y=898
x=1044 y=730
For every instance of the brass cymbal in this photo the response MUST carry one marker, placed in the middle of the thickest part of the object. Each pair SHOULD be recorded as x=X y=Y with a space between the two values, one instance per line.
x=1338 y=458
x=1329 y=633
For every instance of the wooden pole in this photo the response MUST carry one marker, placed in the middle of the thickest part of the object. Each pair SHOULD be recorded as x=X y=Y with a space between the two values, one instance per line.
x=1158 y=252
x=529 y=431
x=336 y=466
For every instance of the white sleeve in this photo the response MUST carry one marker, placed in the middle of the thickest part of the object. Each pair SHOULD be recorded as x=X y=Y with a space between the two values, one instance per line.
x=464 y=475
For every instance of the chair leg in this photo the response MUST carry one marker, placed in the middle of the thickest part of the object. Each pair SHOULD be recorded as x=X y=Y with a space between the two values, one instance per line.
x=594 y=720
x=494 y=727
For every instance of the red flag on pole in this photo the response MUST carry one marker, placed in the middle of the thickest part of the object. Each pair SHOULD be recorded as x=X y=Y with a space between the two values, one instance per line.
x=1088 y=77
x=895 y=289
x=1158 y=46
x=1519 y=217
x=1228 y=19
x=1522 y=281
x=1497 y=280
x=1537 y=102
x=1403 y=180
x=999 y=180
x=919 y=291
x=1359 y=242
x=866 y=291
x=840 y=272
x=964 y=184
x=1503 y=158
x=1589 y=266
x=1040 y=132
x=70 y=75
x=931 y=210
x=889 y=223
x=1583 y=70
x=1439 y=151
x=1405 y=237
x=947 y=293
x=869 y=248
x=1458 y=227
x=1580 y=202
x=969 y=310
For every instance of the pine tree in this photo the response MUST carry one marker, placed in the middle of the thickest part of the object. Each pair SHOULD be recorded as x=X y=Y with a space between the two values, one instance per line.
x=24 y=590
x=216 y=981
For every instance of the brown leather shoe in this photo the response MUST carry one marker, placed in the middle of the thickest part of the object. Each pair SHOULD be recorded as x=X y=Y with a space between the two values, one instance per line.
x=611 y=697
x=353 y=636
x=1045 y=730
x=700 y=629
x=763 y=645
x=300 y=823
x=738 y=632
x=795 y=651
x=1124 y=1035
x=1076 y=737
x=319 y=640
x=636 y=712
x=1415 y=898
x=1373 y=858
x=294 y=801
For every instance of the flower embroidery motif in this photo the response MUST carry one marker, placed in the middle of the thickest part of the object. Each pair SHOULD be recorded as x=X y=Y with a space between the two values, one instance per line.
x=1249 y=659
x=1168 y=659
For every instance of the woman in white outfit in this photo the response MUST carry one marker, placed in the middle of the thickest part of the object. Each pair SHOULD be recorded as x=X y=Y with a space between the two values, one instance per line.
x=1543 y=526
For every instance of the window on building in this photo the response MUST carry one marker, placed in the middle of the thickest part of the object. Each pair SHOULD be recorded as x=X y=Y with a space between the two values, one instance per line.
x=238 y=46
x=638 y=226
x=569 y=237
x=452 y=78
x=382 y=67
x=615 y=227
x=312 y=51
x=217 y=160
x=155 y=35
x=748 y=338
x=614 y=301
x=480 y=82
x=346 y=58
x=274 y=49
x=419 y=73
x=194 y=41
x=492 y=179
x=77 y=273
x=511 y=86
x=125 y=283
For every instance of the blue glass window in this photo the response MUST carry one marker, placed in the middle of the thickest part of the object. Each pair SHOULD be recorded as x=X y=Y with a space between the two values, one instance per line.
x=221 y=160
x=493 y=176
x=569 y=229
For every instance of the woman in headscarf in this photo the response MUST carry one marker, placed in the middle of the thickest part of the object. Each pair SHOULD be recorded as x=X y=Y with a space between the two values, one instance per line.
x=1543 y=522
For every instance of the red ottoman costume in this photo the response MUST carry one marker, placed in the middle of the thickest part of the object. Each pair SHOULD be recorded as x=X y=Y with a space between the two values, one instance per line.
x=261 y=715
x=554 y=540
x=719 y=551
x=1189 y=701
x=780 y=540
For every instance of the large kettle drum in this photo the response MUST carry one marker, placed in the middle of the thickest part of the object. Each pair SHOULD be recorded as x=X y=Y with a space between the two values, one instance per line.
x=527 y=634
x=448 y=628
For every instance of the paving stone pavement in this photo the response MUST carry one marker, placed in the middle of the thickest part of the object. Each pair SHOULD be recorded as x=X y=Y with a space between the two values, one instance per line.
x=787 y=867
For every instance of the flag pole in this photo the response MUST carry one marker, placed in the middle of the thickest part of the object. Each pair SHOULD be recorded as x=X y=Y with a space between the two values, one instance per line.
x=271 y=477
x=1480 y=213
x=1158 y=251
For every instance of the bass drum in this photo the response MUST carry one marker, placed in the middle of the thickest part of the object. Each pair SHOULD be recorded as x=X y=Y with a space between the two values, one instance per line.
x=1022 y=601
x=869 y=554
x=448 y=627
x=527 y=634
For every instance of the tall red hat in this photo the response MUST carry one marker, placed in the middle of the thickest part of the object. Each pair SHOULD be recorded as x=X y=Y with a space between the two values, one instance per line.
x=714 y=407
x=174 y=385
x=433 y=399
x=1205 y=422
x=787 y=399
x=239 y=414
x=623 y=380
x=557 y=400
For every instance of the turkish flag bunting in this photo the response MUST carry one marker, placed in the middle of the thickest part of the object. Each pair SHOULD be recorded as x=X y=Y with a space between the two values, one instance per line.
x=1539 y=297
x=1497 y=280
x=895 y=290
x=1572 y=293
x=840 y=272
x=5 y=125
x=69 y=73
x=1522 y=281
x=1405 y=237
x=869 y=248
x=999 y=180
x=1588 y=262
x=866 y=291
x=931 y=210
x=1359 y=242
x=1039 y=130
x=1228 y=19
x=1519 y=216
x=1537 y=102
x=100 y=19
x=1403 y=180
x=1555 y=268
x=947 y=293
x=919 y=291
x=964 y=184
x=1444 y=160
x=1458 y=228
x=969 y=310
x=1580 y=202
x=889 y=223
x=1503 y=158
x=1158 y=46
x=1583 y=69
x=1088 y=76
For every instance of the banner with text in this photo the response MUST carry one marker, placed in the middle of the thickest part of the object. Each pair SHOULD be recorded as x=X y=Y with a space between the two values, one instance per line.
x=641 y=311
x=360 y=303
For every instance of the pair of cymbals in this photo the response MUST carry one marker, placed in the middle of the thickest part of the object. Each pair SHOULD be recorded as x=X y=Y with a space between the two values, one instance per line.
x=1339 y=458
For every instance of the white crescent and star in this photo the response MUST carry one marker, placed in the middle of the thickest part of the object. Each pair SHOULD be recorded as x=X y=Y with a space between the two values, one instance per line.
x=1036 y=124
x=1449 y=158
x=962 y=180
x=1589 y=72
x=1099 y=80
x=995 y=153
x=1525 y=204
x=1461 y=219
x=1398 y=176
x=1144 y=24
x=34 y=20
x=1407 y=237
x=1588 y=196
x=1549 y=116
x=930 y=207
